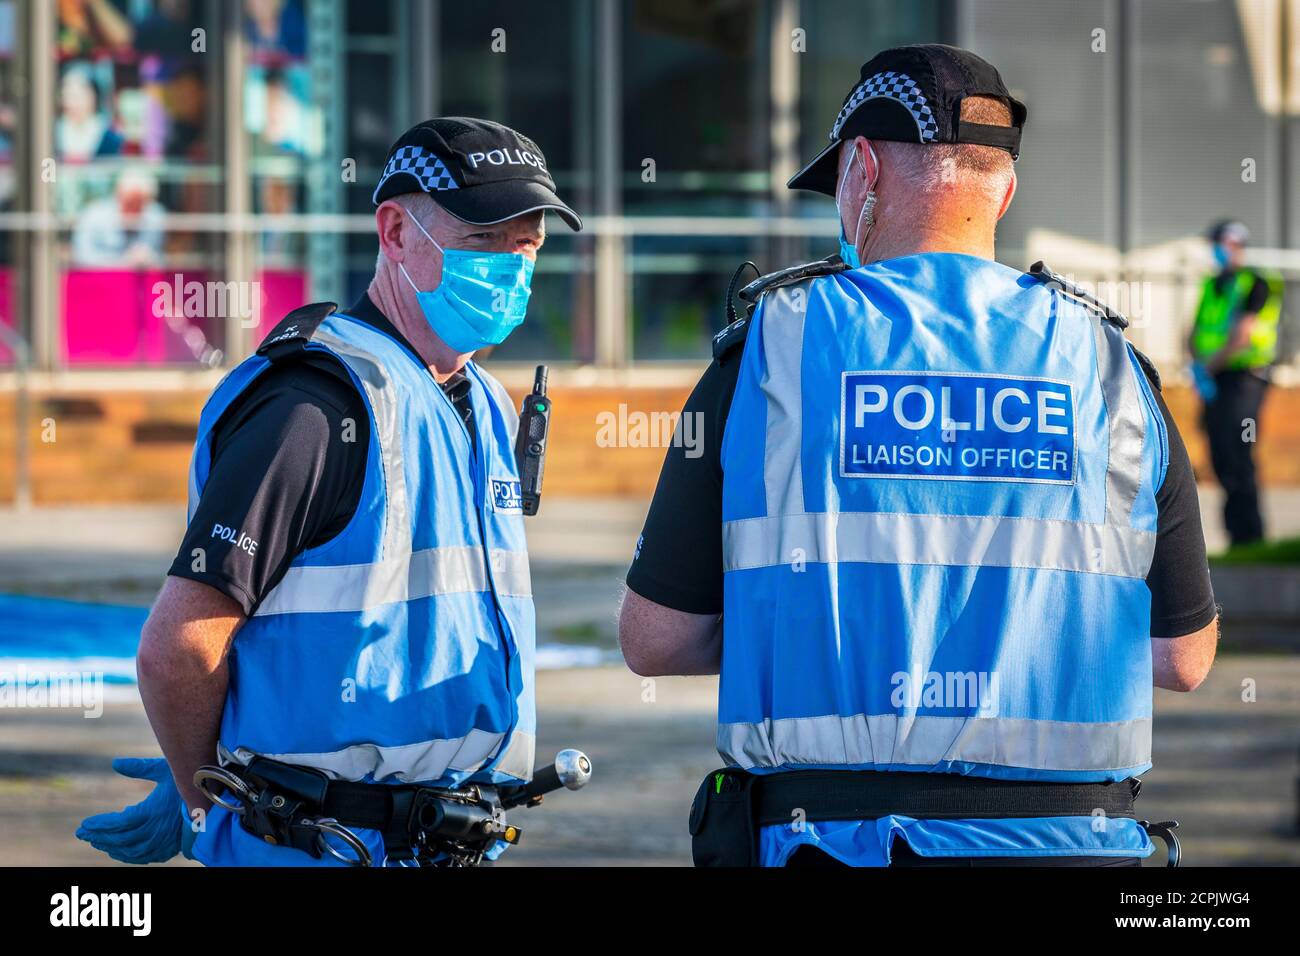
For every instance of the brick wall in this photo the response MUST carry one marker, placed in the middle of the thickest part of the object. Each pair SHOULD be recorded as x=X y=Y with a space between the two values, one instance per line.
x=128 y=446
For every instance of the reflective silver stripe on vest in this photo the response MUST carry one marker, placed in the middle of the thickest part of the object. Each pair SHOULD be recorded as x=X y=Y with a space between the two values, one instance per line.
x=192 y=498
x=416 y=763
x=520 y=756
x=383 y=406
x=359 y=587
x=1127 y=424
x=955 y=540
x=401 y=575
x=926 y=741
x=783 y=388
x=504 y=402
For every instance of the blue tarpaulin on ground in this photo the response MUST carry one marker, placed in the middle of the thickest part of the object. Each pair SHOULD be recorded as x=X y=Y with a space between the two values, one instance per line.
x=44 y=633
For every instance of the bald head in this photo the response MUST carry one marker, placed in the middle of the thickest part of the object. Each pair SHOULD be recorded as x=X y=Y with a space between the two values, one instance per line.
x=928 y=168
x=930 y=196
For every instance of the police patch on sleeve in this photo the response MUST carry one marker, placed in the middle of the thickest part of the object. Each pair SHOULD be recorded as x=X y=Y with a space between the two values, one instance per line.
x=507 y=496
x=956 y=426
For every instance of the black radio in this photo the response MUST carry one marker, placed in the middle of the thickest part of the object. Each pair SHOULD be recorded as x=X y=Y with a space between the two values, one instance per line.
x=530 y=442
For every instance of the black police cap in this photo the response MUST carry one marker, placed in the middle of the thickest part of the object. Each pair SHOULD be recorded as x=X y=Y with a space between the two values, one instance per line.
x=479 y=171
x=913 y=94
x=1233 y=230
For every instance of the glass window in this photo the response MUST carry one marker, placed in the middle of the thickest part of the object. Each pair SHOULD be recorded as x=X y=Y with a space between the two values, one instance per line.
x=324 y=97
x=529 y=66
x=12 y=142
x=695 y=104
x=678 y=292
x=696 y=142
x=840 y=36
x=283 y=130
x=136 y=146
x=698 y=102
x=379 y=83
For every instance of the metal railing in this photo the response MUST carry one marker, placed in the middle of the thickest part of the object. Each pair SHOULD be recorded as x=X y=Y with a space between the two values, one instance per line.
x=1160 y=301
x=1166 y=291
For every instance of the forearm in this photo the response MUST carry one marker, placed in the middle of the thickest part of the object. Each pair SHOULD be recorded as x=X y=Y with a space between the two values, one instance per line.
x=184 y=706
x=184 y=676
x=1238 y=340
x=1182 y=663
x=695 y=658
x=658 y=641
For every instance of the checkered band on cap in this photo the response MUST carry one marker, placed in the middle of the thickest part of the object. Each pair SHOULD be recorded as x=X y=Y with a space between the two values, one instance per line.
x=421 y=164
x=894 y=86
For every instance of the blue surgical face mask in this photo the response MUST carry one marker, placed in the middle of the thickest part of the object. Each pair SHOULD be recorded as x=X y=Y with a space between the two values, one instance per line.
x=849 y=250
x=481 y=299
x=1221 y=255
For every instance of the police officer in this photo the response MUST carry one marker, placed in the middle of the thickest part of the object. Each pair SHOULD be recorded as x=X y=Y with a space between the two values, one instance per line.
x=944 y=526
x=1233 y=343
x=352 y=594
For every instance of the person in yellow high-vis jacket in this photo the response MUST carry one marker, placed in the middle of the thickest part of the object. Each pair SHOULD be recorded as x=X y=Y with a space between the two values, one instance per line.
x=1233 y=343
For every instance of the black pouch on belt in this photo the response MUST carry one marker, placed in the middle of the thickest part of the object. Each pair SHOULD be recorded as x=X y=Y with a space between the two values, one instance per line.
x=287 y=793
x=723 y=824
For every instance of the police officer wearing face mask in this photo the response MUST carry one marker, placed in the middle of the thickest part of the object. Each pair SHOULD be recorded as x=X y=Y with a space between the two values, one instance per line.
x=1233 y=343
x=944 y=537
x=353 y=595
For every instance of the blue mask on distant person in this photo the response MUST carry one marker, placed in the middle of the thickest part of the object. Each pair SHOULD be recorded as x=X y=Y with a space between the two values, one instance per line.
x=849 y=250
x=1221 y=255
x=481 y=299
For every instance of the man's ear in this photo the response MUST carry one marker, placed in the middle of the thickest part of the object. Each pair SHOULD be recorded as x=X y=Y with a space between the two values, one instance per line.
x=856 y=145
x=390 y=223
x=1011 y=192
x=870 y=159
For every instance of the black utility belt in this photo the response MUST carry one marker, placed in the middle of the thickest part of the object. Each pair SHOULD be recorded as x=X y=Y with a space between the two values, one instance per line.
x=731 y=805
x=866 y=795
x=301 y=807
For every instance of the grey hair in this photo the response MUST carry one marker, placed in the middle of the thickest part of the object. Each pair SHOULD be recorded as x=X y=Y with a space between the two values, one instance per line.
x=930 y=167
x=419 y=205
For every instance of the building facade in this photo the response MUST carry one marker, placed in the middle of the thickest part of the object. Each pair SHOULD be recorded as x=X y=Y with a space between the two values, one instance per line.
x=175 y=175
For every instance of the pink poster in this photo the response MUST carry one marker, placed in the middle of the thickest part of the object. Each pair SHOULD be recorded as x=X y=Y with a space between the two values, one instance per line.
x=151 y=317
x=7 y=316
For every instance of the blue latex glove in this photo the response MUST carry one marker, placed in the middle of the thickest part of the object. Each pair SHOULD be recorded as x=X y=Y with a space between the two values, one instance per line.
x=188 y=833
x=1205 y=384
x=153 y=830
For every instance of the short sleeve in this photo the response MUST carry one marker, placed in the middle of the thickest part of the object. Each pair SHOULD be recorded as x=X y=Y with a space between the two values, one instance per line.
x=288 y=464
x=678 y=561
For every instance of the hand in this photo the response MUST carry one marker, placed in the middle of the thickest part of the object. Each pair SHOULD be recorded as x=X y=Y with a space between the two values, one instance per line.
x=151 y=831
x=188 y=833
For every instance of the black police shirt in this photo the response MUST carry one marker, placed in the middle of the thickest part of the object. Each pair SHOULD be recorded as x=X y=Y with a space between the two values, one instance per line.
x=288 y=462
x=678 y=561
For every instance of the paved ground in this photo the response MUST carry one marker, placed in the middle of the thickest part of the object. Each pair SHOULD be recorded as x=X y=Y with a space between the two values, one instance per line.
x=1225 y=768
x=1225 y=756
x=125 y=543
x=648 y=755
